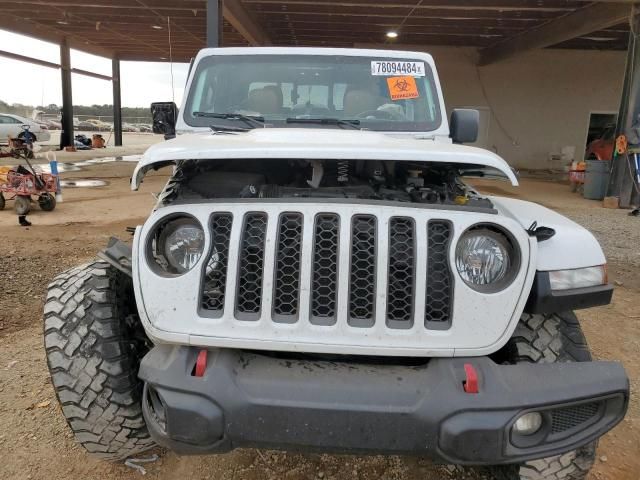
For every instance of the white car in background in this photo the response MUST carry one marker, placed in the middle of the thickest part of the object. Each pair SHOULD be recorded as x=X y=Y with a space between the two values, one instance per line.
x=11 y=127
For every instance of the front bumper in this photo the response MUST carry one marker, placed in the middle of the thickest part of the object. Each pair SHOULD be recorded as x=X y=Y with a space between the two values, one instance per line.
x=251 y=400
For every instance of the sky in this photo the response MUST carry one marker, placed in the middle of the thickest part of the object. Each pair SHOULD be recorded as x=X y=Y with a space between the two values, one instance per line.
x=142 y=82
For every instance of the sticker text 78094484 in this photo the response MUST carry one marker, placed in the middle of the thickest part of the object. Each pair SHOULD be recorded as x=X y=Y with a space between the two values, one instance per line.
x=390 y=68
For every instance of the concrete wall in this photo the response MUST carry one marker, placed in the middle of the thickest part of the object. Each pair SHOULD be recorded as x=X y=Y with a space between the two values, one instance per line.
x=541 y=98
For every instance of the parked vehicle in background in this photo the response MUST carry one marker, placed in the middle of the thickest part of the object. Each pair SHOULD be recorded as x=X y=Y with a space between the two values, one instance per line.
x=85 y=125
x=602 y=147
x=99 y=125
x=11 y=126
x=128 y=127
x=143 y=127
x=51 y=123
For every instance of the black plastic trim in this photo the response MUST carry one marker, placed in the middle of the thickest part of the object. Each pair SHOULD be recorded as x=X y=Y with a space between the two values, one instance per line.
x=544 y=300
x=249 y=400
x=333 y=201
x=119 y=255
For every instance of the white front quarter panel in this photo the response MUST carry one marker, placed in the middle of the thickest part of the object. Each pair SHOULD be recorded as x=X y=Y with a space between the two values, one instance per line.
x=481 y=323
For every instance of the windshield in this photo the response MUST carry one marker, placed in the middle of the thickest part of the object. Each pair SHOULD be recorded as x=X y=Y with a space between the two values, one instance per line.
x=383 y=94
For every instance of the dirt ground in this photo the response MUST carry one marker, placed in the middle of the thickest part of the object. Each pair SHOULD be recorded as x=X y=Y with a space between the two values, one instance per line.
x=36 y=443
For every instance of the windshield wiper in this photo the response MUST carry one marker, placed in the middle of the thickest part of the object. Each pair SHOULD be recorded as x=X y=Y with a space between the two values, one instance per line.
x=226 y=129
x=355 y=124
x=250 y=121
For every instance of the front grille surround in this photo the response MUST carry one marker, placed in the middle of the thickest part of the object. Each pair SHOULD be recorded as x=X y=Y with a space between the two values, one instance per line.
x=186 y=320
x=400 y=269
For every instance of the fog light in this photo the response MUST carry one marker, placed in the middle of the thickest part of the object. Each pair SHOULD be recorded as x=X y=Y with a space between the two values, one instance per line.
x=528 y=424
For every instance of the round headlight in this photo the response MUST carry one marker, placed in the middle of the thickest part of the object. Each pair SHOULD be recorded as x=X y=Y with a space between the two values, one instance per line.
x=180 y=243
x=485 y=259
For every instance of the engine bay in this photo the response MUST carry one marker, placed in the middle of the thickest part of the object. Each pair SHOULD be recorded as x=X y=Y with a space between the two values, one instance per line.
x=395 y=181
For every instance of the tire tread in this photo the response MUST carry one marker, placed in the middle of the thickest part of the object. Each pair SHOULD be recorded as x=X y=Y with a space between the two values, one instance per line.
x=92 y=365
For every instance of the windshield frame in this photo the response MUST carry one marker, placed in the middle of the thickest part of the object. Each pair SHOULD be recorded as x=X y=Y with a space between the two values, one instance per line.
x=438 y=126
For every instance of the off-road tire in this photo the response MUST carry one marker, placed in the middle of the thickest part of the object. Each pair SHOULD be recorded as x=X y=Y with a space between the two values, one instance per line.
x=551 y=338
x=22 y=204
x=2 y=201
x=47 y=202
x=94 y=343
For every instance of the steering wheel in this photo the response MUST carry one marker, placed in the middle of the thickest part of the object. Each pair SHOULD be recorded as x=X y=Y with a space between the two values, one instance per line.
x=380 y=114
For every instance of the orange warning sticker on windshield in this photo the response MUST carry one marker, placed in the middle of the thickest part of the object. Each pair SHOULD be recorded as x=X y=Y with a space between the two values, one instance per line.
x=401 y=88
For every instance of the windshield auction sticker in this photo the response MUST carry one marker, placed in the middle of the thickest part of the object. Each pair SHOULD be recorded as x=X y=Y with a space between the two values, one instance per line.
x=383 y=68
x=402 y=88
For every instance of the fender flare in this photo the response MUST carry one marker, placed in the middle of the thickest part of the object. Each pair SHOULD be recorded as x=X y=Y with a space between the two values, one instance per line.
x=119 y=255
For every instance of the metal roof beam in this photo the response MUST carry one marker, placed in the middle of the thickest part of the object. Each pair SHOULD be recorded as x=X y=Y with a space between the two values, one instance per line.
x=581 y=22
x=238 y=16
x=13 y=23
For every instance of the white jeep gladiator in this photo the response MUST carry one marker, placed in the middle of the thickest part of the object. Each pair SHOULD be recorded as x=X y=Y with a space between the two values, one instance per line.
x=318 y=276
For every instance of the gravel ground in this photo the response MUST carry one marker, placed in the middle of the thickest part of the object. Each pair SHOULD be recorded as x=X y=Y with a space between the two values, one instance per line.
x=617 y=232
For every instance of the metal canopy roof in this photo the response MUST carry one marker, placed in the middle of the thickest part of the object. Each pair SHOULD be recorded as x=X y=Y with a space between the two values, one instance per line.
x=139 y=29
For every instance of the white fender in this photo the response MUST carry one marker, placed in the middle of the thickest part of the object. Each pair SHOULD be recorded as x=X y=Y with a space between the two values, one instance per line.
x=573 y=246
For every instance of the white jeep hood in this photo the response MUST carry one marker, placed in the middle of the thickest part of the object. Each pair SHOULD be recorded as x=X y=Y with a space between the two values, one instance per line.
x=313 y=144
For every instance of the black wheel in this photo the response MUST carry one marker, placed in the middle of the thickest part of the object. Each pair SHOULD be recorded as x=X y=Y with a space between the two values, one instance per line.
x=94 y=343
x=47 y=202
x=22 y=204
x=549 y=338
x=2 y=201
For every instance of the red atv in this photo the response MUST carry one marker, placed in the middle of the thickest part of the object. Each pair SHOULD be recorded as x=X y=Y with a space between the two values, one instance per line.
x=20 y=184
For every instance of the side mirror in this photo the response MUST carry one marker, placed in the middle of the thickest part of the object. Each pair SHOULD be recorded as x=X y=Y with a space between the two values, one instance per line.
x=164 y=116
x=464 y=125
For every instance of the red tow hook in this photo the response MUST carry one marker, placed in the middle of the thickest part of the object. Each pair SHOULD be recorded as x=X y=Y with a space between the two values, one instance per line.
x=471 y=383
x=201 y=364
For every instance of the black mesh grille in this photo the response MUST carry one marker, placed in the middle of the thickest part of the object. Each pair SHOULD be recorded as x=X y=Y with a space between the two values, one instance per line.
x=564 y=419
x=324 y=278
x=363 y=271
x=251 y=267
x=439 y=294
x=401 y=269
x=213 y=291
x=287 y=273
x=401 y=273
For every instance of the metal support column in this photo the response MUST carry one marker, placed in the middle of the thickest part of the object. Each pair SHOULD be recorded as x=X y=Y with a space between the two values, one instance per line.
x=66 y=135
x=117 y=101
x=214 y=23
x=622 y=183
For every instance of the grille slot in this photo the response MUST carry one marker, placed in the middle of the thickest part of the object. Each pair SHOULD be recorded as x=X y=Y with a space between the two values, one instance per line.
x=287 y=272
x=401 y=275
x=439 y=291
x=363 y=271
x=214 y=285
x=251 y=266
x=564 y=419
x=324 y=277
